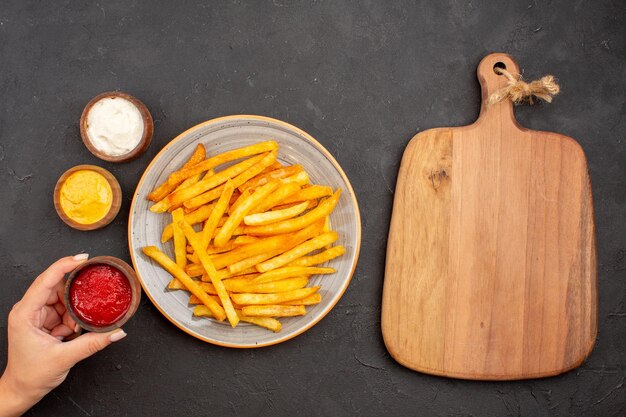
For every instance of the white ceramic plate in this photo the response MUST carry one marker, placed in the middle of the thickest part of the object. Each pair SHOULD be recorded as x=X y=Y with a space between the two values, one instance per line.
x=219 y=135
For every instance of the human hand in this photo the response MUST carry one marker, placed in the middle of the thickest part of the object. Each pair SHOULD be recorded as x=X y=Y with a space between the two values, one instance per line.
x=38 y=359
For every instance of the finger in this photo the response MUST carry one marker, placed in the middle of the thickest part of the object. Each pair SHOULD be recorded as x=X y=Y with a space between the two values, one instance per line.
x=56 y=295
x=61 y=331
x=86 y=345
x=59 y=307
x=51 y=318
x=46 y=283
x=69 y=322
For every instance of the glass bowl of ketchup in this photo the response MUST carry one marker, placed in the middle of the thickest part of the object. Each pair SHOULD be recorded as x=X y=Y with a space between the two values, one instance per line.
x=102 y=294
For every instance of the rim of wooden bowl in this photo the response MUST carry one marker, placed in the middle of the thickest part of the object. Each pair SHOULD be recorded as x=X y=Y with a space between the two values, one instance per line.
x=116 y=199
x=146 y=138
x=130 y=275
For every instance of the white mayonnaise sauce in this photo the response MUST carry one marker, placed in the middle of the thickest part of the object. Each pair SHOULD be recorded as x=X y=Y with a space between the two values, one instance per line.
x=114 y=126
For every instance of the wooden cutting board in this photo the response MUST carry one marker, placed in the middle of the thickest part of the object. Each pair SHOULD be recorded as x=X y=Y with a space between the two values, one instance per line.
x=491 y=260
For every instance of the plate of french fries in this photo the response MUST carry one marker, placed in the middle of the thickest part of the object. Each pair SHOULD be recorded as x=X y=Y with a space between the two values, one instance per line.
x=244 y=231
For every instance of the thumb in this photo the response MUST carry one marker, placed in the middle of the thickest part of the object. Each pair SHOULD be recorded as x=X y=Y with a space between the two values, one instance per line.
x=86 y=345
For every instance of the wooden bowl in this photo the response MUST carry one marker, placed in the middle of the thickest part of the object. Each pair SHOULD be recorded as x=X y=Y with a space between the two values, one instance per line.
x=116 y=200
x=130 y=275
x=148 y=128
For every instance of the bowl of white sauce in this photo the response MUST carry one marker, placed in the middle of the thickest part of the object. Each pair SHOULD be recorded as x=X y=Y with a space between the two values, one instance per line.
x=116 y=126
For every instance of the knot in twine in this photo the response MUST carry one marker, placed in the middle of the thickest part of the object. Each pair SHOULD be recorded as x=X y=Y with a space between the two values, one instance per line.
x=519 y=91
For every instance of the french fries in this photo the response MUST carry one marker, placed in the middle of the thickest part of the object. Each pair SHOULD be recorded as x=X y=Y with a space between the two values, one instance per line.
x=196 y=243
x=218 y=211
x=274 y=298
x=320 y=258
x=291 y=271
x=239 y=179
x=260 y=219
x=179 y=197
x=274 y=311
x=266 y=322
x=210 y=163
x=297 y=252
x=310 y=193
x=164 y=189
x=309 y=301
x=322 y=210
x=180 y=250
x=236 y=217
x=265 y=231
x=171 y=267
x=272 y=175
x=243 y=285
x=194 y=217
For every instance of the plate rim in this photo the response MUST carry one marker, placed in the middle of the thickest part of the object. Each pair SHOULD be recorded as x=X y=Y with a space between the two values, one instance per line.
x=322 y=149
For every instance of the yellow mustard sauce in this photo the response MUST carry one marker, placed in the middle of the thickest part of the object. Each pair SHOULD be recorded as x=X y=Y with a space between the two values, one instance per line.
x=86 y=196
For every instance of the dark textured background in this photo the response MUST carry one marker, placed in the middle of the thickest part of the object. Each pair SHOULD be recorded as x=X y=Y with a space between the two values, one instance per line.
x=362 y=78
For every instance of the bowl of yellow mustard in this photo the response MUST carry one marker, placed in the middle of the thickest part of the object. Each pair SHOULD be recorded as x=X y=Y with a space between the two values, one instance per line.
x=87 y=197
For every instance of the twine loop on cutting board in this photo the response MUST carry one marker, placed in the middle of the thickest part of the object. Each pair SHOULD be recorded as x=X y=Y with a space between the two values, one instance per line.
x=519 y=91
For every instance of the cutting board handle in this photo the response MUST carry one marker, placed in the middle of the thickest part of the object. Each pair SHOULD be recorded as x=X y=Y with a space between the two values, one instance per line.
x=490 y=82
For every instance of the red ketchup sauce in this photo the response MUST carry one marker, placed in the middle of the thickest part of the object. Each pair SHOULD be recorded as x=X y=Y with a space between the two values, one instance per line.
x=100 y=295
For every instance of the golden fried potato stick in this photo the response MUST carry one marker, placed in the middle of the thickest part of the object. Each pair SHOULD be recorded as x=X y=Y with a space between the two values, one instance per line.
x=180 y=244
x=320 y=258
x=290 y=271
x=193 y=300
x=193 y=287
x=179 y=197
x=238 y=231
x=327 y=227
x=164 y=189
x=175 y=284
x=260 y=219
x=275 y=165
x=282 y=242
x=196 y=270
x=252 y=261
x=299 y=251
x=225 y=274
x=286 y=226
x=309 y=301
x=263 y=179
x=258 y=148
x=212 y=250
x=218 y=211
x=239 y=179
x=243 y=285
x=262 y=246
x=273 y=298
x=242 y=197
x=245 y=240
x=236 y=217
x=265 y=322
x=194 y=217
x=310 y=193
x=190 y=181
x=312 y=205
x=277 y=196
x=274 y=311
x=196 y=242
x=301 y=178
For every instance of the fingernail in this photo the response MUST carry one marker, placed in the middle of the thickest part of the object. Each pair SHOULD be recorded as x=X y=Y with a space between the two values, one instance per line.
x=81 y=257
x=118 y=335
x=76 y=328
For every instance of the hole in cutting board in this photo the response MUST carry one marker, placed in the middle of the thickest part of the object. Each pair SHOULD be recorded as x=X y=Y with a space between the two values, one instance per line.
x=498 y=65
